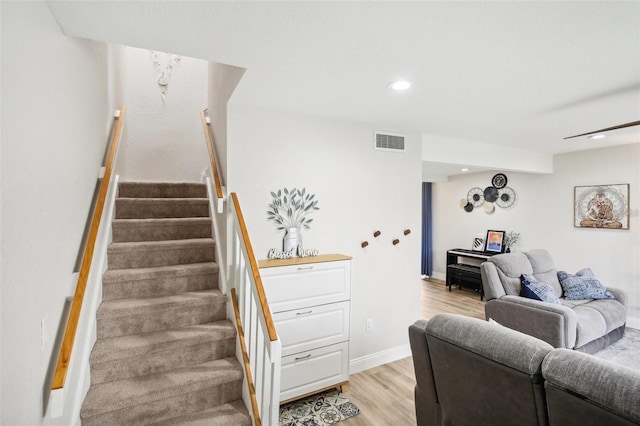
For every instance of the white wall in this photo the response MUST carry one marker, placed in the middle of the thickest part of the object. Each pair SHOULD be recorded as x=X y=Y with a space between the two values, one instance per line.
x=164 y=140
x=543 y=215
x=359 y=191
x=222 y=81
x=55 y=118
x=447 y=150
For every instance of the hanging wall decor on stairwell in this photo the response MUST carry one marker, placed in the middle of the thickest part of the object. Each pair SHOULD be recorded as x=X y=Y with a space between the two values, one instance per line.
x=163 y=64
x=290 y=210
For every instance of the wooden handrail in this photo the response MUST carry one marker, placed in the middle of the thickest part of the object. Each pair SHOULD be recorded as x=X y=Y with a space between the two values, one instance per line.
x=62 y=365
x=245 y=359
x=273 y=336
x=212 y=156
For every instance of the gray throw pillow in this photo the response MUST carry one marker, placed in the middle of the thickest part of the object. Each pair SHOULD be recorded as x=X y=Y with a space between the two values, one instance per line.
x=582 y=285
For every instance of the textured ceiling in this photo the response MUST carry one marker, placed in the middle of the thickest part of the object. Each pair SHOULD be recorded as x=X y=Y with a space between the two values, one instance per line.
x=517 y=74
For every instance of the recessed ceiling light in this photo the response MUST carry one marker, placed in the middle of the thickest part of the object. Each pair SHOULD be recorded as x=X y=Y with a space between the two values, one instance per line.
x=400 y=85
x=598 y=136
x=464 y=170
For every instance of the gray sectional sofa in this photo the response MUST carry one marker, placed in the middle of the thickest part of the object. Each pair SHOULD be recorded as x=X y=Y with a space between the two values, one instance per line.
x=584 y=325
x=472 y=372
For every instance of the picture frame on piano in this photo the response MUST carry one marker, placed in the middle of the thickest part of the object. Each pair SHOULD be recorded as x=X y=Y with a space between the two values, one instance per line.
x=478 y=242
x=495 y=241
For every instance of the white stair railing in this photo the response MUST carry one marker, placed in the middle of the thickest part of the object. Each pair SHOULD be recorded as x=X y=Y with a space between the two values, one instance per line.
x=259 y=341
x=259 y=349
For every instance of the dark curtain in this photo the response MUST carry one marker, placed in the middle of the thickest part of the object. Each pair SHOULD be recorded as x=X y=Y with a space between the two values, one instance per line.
x=427 y=230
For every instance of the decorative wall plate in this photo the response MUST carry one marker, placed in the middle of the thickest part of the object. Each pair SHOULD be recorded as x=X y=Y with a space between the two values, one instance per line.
x=489 y=208
x=499 y=180
x=475 y=196
x=491 y=194
x=506 y=197
x=468 y=208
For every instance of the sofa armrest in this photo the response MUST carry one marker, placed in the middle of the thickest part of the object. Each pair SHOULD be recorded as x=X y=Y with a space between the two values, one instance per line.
x=555 y=324
x=595 y=381
x=620 y=295
x=426 y=397
x=491 y=284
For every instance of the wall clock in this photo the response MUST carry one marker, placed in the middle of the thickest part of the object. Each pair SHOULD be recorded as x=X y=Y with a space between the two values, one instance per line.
x=499 y=180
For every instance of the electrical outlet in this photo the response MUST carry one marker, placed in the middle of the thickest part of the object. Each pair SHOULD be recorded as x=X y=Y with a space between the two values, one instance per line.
x=369 y=325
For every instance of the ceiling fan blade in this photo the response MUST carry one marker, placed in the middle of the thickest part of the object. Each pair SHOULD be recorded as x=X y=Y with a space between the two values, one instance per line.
x=621 y=126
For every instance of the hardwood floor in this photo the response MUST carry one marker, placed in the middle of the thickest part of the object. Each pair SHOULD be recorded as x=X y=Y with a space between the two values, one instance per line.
x=436 y=299
x=384 y=394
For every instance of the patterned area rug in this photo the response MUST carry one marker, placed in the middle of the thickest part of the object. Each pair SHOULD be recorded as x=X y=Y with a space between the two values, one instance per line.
x=625 y=351
x=326 y=408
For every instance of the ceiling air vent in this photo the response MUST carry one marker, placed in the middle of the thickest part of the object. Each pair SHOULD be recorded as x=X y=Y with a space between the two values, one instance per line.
x=389 y=142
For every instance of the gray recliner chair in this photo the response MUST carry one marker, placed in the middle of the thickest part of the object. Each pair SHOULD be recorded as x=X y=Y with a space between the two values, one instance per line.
x=473 y=372
x=583 y=390
x=464 y=367
x=583 y=325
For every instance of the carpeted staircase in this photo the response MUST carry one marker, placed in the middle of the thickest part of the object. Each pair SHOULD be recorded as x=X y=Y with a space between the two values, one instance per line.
x=165 y=350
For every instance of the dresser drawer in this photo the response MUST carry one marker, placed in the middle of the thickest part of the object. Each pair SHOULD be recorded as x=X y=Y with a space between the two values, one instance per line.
x=296 y=286
x=309 y=371
x=313 y=327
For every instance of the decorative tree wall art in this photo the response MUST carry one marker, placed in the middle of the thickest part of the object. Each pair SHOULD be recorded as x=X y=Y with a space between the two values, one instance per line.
x=290 y=210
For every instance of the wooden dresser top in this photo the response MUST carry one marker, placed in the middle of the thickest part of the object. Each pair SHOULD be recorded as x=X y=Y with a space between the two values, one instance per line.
x=270 y=263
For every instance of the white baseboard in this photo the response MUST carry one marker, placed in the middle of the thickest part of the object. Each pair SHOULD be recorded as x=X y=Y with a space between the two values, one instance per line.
x=379 y=358
x=438 y=275
x=633 y=322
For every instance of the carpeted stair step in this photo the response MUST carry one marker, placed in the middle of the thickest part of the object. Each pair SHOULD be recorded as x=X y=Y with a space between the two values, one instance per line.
x=132 y=316
x=162 y=190
x=145 y=254
x=162 y=396
x=145 y=208
x=233 y=413
x=125 y=230
x=123 y=357
x=165 y=350
x=159 y=281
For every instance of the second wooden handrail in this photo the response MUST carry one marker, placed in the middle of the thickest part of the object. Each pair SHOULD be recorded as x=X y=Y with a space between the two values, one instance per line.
x=253 y=266
x=64 y=356
x=212 y=157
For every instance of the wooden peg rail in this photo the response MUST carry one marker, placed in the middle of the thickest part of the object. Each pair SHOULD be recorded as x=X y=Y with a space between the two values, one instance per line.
x=376 y=234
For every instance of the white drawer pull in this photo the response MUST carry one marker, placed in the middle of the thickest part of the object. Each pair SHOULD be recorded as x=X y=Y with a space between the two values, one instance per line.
x=305 y=268
x=303 y=357
x=303 y=313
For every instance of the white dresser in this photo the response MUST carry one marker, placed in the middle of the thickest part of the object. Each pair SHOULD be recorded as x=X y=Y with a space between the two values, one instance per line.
x=310 y=300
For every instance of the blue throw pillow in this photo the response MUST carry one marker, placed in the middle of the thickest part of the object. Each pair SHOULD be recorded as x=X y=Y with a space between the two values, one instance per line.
x=582 y=285
x=534 y=289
